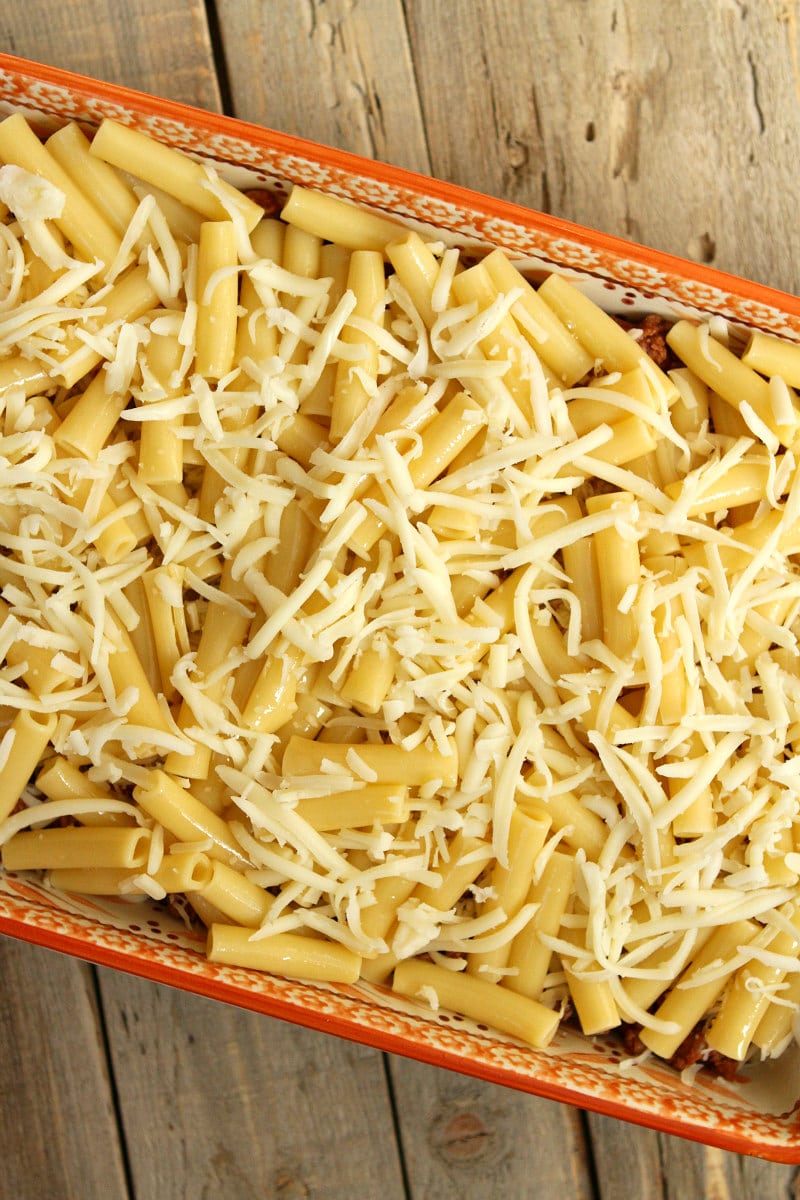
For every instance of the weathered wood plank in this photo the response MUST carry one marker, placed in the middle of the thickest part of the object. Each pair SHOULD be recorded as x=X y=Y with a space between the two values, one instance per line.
x=650 y=1166
x=217 y=1102
x=461 y=1137
x=655 y=1167
x=58 y=1133
x=336 y=71
x=676 y=125
x=694 y=1172
x=155 y=46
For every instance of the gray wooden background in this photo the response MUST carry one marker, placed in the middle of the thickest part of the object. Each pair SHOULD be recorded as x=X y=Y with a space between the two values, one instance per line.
x=676 y=124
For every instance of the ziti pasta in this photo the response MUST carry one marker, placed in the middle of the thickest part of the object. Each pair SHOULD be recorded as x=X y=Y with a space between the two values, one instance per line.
x=413 y=624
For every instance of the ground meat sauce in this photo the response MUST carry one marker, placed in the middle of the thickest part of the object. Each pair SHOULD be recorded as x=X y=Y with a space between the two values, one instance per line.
x=693 y=1049
x=653 y=339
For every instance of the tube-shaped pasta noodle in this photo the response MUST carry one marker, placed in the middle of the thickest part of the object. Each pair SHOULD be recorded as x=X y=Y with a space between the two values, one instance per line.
x=775 y=1027
x=631 y=438
x=297 y=534
x=729 y=377
x=130 y=298
x=689 y=411
x=122 y=495
x=504 y=342
x=217 y=292
x=172 y=172
x=551 y=339
x=674 y=684
x=241 y=901
x=517 y=1016
x=301 y=252
x=406 y=415
x=31 y=733
x=598 y=332
x=529 y=958
x=186 y=817
x=770 y=355
x=778 y=868
x=688 y=1001
x=300 y=437
x=417 y=269
x=162 y=622
x=583 y=829
x=334 y=264
x=446 y=435
x=644 y=992
x=271 y=702
x=743 y=484
x=356 y=808
x=580 y=564
x=726 y=420
x=369 y=680
x=510 y=885
x=594 y=1002
x=31 y=376
x=80 y=221
x=468 y=857
x=451 y=522
x=110 y=533
x=95 y=881
x=110 y=194
x=389 y=893
x=127 y=672
x=184 y=871
x=338 y=221
x=749 y=996
x=160 y=444
x=60 y=779
x=289 y=954
x=256 y=338
x=76 y=846
x=618 y=567
x=350 y=393
x=91 y=421
x=700 y=816
x=39 y=674
x=388 y=763
x=224 y=629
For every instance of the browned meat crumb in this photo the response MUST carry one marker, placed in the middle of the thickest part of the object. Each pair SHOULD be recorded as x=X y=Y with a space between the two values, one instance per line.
x=690 y=1050
x=694 y=1048
x=634 y=1046
x=270 y=203
x=653 y=338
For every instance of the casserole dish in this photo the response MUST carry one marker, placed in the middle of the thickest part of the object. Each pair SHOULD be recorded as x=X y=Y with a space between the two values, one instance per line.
x=755 y=1115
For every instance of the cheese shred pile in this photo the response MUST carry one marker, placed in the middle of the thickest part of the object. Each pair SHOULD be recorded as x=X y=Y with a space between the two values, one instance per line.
x=414 y=624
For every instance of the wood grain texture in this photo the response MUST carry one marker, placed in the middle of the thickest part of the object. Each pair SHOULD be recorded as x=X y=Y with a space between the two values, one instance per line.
x=336 y=71
x=461 y=1137
x=58 y=1131
x=695 y=1172
x=220 y=1104
x=159 y=46
x=649 y=1166
x=676 y=125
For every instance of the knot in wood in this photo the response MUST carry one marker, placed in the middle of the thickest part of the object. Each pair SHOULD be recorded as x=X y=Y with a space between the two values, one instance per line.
x=463 y=1137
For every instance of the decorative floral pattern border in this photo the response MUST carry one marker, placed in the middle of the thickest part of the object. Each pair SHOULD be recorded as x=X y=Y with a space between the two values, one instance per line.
x=141 y=938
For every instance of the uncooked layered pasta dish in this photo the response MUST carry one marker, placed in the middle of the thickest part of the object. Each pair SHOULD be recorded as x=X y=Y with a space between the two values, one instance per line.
x=390 y=615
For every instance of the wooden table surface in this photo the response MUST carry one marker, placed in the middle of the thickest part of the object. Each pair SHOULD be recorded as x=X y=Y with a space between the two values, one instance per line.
x=675 y=124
